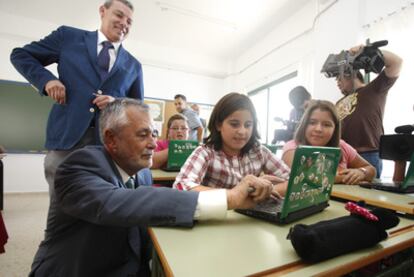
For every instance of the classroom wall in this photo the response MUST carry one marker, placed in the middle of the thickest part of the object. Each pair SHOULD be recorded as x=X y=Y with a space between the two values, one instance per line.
x=304 y=41
x=166 y=73
x=301 y=43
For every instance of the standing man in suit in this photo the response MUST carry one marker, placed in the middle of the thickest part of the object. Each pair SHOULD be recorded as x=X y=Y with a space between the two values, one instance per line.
x=97 y=226
x=93 y=70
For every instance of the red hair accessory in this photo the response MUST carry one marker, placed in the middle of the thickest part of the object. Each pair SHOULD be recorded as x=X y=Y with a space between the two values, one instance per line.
x=358 y=210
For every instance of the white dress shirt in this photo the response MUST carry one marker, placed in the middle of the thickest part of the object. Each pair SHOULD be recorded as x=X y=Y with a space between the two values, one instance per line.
x=211 y=204
x=113 y=52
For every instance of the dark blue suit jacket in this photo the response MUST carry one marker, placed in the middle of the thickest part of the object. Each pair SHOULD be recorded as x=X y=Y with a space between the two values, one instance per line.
x=75 y=52
x=97 y=227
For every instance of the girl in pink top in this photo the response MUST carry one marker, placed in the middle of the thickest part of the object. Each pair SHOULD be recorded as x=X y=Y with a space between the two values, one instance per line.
x=321 y=126
x=177 y=130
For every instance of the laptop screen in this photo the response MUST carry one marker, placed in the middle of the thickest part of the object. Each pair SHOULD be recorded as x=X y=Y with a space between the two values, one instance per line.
x=178 y=152
x=312 y=177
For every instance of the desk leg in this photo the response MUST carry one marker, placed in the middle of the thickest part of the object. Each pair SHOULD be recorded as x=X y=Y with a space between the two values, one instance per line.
x=156 y=268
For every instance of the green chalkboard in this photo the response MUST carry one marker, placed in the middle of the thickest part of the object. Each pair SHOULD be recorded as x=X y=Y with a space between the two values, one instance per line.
x=23 y=117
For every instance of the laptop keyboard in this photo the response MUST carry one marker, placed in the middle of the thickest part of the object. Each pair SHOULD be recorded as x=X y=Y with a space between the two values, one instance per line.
x=270 y=206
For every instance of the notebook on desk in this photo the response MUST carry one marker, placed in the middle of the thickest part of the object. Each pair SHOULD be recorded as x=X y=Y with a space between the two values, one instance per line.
x=178 y=152
x=406 y=186
x=309 y=188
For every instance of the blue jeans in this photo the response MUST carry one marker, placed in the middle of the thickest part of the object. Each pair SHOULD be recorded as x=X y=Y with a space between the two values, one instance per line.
x=373 y=158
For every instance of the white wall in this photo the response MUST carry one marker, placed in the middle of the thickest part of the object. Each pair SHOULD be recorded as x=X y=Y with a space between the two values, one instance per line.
x=301 y=43
x=166 y=73
x=165 y=83
x=24 y=173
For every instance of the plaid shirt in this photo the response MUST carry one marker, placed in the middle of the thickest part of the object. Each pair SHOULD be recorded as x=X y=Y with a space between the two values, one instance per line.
x=212 y=168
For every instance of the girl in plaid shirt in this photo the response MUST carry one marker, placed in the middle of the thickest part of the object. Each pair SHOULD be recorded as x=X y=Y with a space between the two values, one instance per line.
x=232 y=151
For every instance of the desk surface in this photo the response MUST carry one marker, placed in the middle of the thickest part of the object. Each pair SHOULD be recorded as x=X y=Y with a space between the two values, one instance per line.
x=241 y=246
x=161 y=175
x=403 y=203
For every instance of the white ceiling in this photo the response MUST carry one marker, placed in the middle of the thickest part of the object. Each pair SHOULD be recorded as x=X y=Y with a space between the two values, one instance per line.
x=222 y=29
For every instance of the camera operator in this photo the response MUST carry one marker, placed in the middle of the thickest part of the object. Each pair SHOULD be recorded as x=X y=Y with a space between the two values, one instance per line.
x=362 y=107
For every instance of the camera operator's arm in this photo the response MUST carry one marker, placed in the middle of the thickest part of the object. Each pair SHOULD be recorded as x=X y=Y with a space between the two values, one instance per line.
x=392 y=61
x=399 y=171
x=393 y=64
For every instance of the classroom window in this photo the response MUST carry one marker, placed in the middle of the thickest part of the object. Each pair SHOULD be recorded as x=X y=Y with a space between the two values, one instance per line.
x=271 y=101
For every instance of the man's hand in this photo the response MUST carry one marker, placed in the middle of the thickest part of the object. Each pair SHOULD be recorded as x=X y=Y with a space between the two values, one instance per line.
x=102 y=100
x=274 y=179
x=356 y=49
x=240 y=196
x=56 y=90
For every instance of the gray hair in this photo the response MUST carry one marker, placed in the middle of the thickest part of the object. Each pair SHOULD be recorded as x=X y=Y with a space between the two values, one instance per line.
x=108 y=4
x=114 y=117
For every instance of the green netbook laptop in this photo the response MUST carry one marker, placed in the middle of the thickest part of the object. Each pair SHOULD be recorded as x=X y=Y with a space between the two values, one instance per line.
x=406 y=186
x=178 y=152
x=309 y=188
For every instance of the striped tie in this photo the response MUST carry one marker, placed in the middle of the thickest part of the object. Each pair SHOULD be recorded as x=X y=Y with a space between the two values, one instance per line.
x=130 y=183
x=103 y=59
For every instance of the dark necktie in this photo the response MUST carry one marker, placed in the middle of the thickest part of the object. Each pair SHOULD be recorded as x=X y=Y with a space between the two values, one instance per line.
x=103 y=59
x=130 y=183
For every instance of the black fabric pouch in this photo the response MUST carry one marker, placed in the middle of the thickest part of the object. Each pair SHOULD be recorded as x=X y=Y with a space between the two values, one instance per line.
x=331 y=238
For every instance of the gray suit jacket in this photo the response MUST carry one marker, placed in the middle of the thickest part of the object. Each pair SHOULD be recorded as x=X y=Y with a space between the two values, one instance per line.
x=98 y=227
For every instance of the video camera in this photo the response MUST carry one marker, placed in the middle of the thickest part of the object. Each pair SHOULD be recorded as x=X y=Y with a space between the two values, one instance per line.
x=369 y=58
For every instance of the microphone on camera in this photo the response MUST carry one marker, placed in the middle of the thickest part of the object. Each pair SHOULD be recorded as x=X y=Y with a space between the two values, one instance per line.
x=404 y=129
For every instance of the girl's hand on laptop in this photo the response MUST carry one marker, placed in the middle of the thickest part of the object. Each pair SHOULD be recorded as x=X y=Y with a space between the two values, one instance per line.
x=279 y=190
x=352 y=176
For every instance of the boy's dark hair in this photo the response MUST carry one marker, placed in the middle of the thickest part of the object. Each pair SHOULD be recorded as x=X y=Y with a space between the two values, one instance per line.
x=180 y=96
x=227 y=105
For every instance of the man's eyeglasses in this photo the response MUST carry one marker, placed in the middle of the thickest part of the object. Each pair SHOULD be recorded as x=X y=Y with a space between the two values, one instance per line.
x=179 y=128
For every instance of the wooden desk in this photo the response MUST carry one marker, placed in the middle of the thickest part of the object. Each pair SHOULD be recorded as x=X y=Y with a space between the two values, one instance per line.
x=403 y=203
x=163 y=177
x=241 y=246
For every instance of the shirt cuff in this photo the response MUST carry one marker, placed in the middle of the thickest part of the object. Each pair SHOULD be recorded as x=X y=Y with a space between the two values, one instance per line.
x=212 y=204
